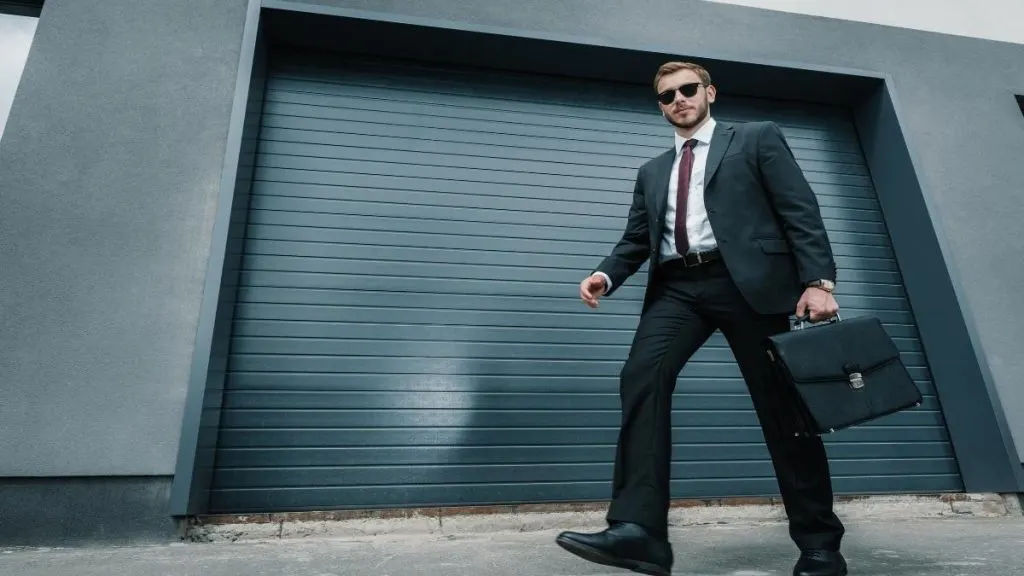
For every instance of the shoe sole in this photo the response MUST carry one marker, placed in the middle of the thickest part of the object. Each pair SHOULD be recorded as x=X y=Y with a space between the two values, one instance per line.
x=843 y=571
x=599 y=557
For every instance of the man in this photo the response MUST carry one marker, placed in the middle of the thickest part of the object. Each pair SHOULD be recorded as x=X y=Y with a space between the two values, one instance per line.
x=736 y=242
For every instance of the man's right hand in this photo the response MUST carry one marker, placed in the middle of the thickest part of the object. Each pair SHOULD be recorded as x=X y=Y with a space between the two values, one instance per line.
x=592 y=288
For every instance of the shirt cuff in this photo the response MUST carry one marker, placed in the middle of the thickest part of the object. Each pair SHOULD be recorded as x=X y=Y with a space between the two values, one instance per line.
x=607 y=281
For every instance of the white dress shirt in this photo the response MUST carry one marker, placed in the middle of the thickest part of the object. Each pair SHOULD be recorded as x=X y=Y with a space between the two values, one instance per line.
x=698 y=228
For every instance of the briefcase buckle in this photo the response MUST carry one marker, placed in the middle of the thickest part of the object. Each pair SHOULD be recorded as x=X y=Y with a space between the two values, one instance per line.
x=856 y=380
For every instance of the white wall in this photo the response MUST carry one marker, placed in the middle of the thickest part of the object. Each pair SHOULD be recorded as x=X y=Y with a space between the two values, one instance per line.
x=1001 y=20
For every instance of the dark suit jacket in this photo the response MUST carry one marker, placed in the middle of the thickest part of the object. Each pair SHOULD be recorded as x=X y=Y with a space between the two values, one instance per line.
x=762 y=211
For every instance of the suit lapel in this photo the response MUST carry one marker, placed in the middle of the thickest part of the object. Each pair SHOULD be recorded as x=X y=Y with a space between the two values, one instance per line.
x=661 y=178
x=719 y=144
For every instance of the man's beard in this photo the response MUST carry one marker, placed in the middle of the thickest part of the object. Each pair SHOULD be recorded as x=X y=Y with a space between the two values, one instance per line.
x=702 y=113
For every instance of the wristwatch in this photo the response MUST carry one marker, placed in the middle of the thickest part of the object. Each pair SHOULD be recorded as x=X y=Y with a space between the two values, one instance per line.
x=826 y=285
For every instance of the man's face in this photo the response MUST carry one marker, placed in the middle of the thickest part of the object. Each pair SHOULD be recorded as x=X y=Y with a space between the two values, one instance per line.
x=685 y=111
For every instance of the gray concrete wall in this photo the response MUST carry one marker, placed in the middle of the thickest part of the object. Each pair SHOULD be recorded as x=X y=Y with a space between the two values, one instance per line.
x=112 y=156
x=127 y=510
x=109 y=171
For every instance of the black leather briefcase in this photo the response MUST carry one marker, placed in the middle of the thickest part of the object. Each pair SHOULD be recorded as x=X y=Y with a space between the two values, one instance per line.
x=834 y=375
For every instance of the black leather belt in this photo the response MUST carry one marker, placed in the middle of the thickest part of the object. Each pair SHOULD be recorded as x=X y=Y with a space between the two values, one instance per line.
x=692 y=259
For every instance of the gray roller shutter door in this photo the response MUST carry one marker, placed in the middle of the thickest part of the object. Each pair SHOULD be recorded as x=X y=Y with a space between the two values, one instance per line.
x=407 y=331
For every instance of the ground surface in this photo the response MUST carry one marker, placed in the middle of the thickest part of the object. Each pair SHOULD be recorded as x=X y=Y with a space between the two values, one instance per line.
x=933 y=547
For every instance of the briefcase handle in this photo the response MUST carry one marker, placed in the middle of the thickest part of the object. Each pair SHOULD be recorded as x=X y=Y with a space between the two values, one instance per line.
x=798 y=324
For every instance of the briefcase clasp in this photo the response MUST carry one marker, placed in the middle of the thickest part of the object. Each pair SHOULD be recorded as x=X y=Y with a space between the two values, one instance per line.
x=856 y=380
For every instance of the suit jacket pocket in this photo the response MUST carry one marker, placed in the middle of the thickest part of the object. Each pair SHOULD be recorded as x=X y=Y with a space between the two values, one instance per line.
x=774 y=245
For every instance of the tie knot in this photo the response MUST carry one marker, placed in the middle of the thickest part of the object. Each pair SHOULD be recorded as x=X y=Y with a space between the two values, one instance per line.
x=691 y=143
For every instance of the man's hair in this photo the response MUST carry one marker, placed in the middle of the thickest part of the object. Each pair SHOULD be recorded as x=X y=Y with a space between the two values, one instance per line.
x=672 y=67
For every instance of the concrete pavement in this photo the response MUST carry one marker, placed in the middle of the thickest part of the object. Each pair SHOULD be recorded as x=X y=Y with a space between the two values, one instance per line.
x=951 y=546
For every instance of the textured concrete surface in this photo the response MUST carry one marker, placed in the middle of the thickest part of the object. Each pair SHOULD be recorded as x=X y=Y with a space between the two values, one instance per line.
x=932 y=546
x=474 y=520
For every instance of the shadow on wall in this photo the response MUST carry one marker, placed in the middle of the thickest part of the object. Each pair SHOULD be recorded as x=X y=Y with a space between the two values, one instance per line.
x=517 y=435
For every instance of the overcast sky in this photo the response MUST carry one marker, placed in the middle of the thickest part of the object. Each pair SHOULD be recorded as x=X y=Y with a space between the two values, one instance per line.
x=15 y=38
x=1001 y=20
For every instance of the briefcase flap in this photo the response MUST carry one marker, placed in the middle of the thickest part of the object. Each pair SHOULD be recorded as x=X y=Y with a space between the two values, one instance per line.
x=835 y=351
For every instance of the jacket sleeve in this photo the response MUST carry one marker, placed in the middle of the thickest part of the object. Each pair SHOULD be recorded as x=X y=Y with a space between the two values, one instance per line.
x=795 y=204
x=633 y=249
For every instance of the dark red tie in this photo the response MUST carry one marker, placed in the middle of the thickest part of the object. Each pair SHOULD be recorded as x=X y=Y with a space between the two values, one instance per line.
x=685 y=167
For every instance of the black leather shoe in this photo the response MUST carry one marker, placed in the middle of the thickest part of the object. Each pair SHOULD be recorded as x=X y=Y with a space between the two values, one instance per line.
x=622 y=545
x=820 y=563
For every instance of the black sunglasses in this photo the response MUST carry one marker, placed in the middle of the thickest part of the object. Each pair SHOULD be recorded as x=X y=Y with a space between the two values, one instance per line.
x=687 y=90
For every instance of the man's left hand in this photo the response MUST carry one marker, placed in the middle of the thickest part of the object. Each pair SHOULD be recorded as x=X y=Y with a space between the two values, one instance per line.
x=819 y=303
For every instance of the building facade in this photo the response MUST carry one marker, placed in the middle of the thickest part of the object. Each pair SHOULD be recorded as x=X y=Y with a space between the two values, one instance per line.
x=270 y=255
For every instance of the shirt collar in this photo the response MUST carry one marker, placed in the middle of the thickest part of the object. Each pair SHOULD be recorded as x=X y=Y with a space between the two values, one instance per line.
x=703 y=135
